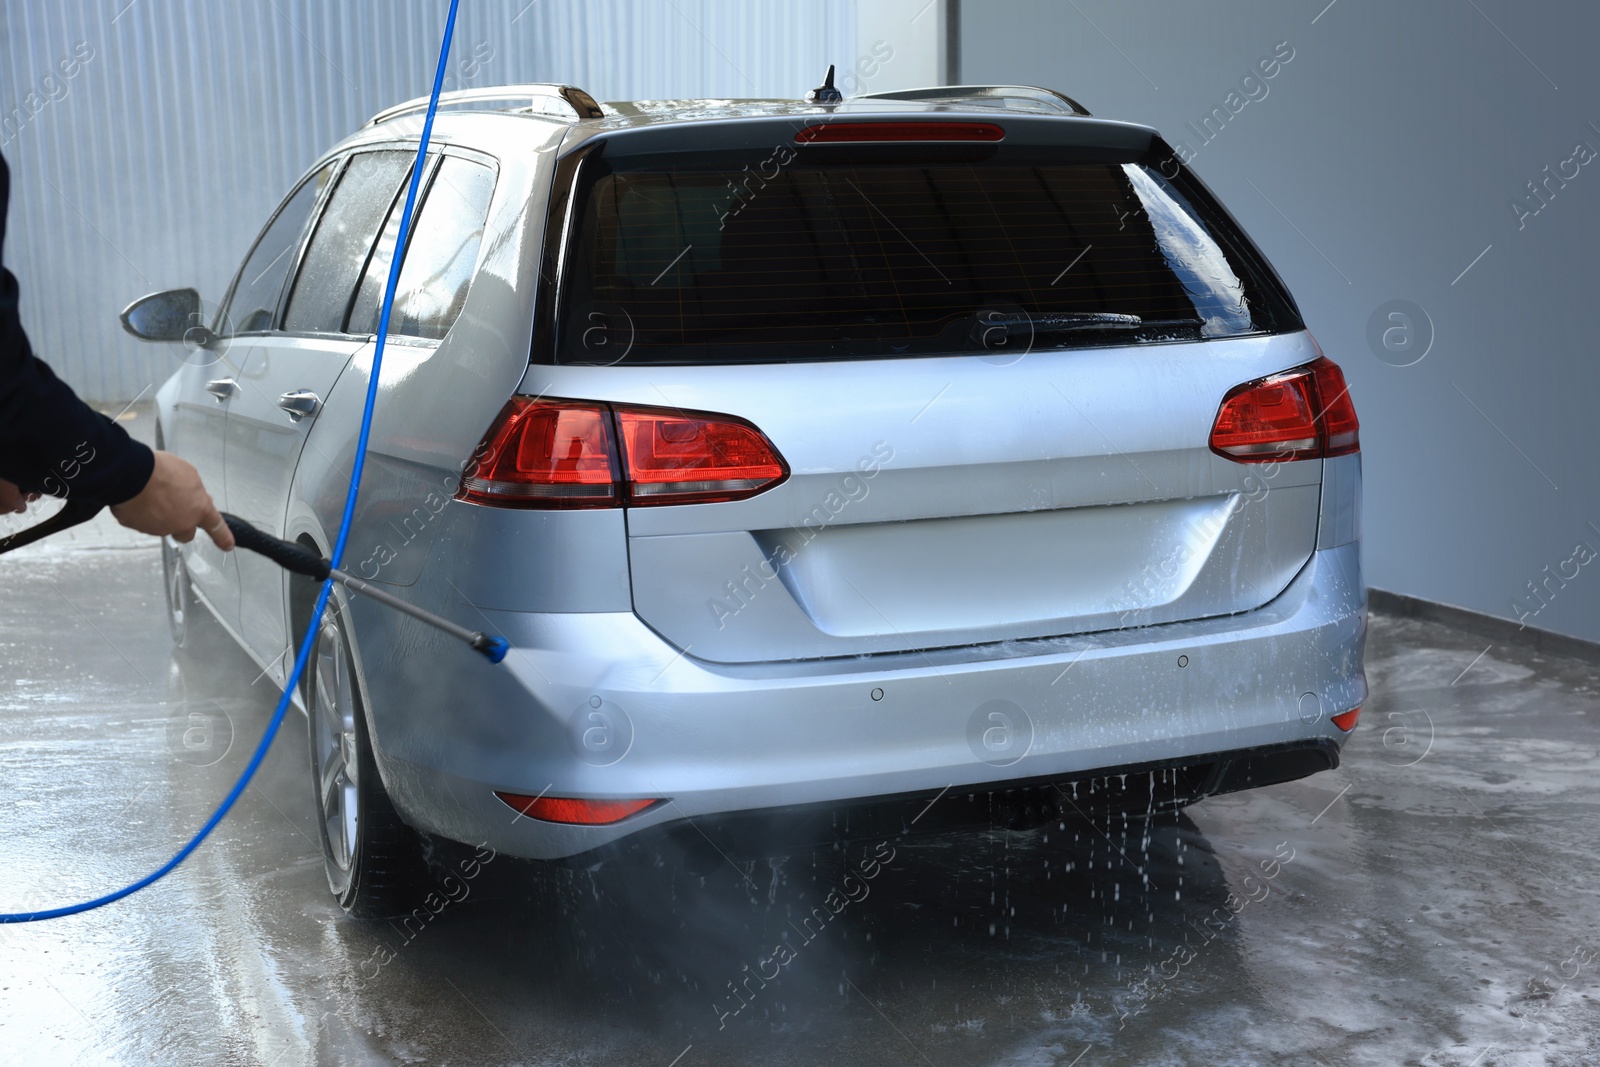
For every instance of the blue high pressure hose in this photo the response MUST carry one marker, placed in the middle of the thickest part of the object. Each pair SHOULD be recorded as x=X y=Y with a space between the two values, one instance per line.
x=338 y=547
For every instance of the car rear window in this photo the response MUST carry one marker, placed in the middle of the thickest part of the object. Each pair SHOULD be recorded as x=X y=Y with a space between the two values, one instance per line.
x=338 y=249
x=439 y=258
x=789 y=261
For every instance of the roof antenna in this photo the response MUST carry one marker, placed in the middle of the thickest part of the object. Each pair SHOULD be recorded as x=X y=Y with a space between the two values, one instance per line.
x=826 y=93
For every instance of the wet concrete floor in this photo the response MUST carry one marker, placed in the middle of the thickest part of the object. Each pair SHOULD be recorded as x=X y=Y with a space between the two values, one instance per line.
x=1433 y=901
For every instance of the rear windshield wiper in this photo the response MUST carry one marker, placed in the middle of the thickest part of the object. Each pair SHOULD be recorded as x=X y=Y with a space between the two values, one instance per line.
x=1014 y=323
x=1094 y=320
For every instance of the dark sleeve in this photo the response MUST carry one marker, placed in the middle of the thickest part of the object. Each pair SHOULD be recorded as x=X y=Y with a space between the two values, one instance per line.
x=50 y=441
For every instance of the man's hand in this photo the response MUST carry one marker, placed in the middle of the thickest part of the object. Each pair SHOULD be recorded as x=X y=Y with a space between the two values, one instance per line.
x=174 y=502
x=14 y=501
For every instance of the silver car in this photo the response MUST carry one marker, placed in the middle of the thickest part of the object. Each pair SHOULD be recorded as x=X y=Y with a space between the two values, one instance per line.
x=918 y=460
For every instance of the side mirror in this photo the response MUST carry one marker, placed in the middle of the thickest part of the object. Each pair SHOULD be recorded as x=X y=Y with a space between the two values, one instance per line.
x=174 y=315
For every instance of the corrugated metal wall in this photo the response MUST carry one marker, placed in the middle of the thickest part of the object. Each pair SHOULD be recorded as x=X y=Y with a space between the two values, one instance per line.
x=149 y=139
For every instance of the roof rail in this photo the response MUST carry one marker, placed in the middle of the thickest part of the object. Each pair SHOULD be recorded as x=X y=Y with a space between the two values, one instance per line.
x=541 y=97
x=994 y=95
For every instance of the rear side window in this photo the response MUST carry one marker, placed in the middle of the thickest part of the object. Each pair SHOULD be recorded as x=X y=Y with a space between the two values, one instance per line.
x=439 y=260
x=254 y=301
x=338 y=250
x=878 y=259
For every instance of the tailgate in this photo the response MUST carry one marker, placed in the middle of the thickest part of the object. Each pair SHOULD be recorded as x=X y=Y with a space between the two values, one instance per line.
x=992 y=366
x=944 y=502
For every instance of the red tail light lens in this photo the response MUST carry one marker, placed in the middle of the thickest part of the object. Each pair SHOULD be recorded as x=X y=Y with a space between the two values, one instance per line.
x=1303 y=413
x=1346 y=720
x=566 y=454
x=1274 y=418
x=1340 y=427
x=574 y=811
x=869 y=132
x=672 y=458
x=545 y=454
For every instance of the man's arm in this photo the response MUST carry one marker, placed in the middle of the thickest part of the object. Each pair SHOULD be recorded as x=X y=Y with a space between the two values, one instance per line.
x=51 y=442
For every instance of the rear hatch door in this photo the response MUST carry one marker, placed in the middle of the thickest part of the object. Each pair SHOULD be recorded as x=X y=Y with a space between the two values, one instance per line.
x=992 y=366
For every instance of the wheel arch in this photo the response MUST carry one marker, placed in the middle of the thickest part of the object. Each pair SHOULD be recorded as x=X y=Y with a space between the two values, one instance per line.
x=302 y=601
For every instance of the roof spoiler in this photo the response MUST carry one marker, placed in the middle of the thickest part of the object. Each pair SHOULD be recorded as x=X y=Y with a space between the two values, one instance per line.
x=992 y=95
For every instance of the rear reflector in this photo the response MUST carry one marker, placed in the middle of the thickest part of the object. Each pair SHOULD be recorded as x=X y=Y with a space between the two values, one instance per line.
x=873 y=132
x=567 y=454
x=573 y=811
x=1346 y=720
x=1303 y=413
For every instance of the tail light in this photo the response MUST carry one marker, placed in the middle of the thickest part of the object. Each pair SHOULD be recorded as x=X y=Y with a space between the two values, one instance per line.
x=574 y=811
x=545 y=454
x=673 y=458
x=570 y=454
x=1303 y=413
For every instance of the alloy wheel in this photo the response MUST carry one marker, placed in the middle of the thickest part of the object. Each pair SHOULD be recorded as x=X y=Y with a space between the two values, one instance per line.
x=176 y=579
x=335 y=759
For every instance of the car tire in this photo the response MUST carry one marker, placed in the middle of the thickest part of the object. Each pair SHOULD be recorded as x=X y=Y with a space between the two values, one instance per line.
x=373 y=860
x=191 y=624
x=180 y=594
x=193 y=628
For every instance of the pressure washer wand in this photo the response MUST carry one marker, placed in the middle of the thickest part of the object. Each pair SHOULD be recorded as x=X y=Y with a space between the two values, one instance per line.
x=286 y=554
x=298 y=559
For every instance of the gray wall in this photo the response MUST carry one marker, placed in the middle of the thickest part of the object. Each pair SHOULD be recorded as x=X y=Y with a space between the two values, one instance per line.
x=1380 y=163
x=155 y=160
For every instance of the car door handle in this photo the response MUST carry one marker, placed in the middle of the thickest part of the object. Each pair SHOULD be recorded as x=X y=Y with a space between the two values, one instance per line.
x=222 y=388
x=300 y=403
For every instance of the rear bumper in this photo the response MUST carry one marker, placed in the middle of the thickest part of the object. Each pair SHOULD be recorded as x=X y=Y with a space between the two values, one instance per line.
x=1005 y=805
x=597 y=705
